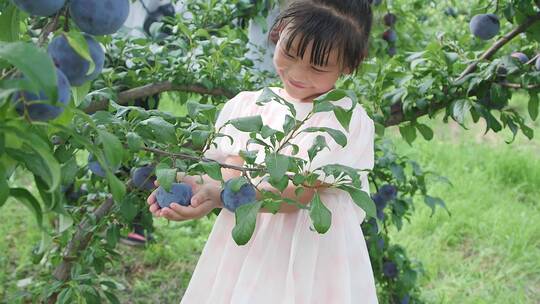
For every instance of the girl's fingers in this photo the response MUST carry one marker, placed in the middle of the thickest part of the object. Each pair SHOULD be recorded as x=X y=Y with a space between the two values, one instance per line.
x=151 y=198
x=190 y=212
x=172 y=215
x=154 y=208
x=198 y=198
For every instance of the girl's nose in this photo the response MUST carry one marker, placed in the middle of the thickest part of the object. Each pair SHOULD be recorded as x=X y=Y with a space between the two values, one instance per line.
x=298 y=75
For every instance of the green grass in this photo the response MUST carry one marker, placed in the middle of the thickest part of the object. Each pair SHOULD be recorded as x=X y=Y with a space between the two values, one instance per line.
x=487 y=251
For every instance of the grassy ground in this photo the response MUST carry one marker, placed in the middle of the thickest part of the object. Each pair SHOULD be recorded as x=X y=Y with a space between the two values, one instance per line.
x=486 y=252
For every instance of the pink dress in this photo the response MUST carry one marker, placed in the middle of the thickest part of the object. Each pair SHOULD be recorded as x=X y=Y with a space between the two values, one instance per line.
x=287 y=261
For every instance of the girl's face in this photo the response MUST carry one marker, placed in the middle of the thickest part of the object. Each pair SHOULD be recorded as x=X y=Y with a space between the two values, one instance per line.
x=301 y=79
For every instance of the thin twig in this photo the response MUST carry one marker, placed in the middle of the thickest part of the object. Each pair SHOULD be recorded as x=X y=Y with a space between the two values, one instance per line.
x=519 y=86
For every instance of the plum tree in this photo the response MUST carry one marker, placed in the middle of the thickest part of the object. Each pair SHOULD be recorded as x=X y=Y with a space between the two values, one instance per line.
x=99 y=17
x=519 y=55
x=180 y=193
x=40 y=8
x=233 y=199
x=485 y=26
x=389 y=19
x=143 y=178
x=74 y=65
x=38 y=106
x=389 y=35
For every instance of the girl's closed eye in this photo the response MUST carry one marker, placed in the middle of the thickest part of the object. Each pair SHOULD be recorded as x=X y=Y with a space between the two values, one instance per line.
x=318 y=70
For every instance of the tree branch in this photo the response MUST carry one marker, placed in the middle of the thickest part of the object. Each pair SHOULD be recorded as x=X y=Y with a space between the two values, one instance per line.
x=50 y=27
x=155 y=88
x=78 y=243
x=519 y=86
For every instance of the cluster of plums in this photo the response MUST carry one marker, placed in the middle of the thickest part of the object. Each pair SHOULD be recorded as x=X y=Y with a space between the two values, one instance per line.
x=93 y=17
x=390 y=35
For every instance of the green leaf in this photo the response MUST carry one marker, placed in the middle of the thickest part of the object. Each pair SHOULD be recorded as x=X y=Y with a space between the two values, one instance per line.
x=80 y=46
x=288 y=124
x=266 y=131
x=533 y=104
x=343 y=116
x=337 y=135
x=279 y=183
x=237 y=183
x=128 y=209
x=460 y=108
x=111 y=297
x=90 y=294
x=213 y=169
x=323 y=106
x=246 y=219
x=166 y=176
x=248 y=124
x=34 y=63
x=40 y=161
x=277 y=165
x=361 y=198
x=161 y=129
x=426 y=131
x=25 y=197
x=69 y=171
x=432 y=202
x=113 y=235
x=194 y=108
x=65 y=221
x=117 y=188
x=134 y=141
x=112 y=147
x=9 y=23
x=318 y=144
x=79 y=93
x=199 y=138
x=65 y=296
x=408 y=132
x=319 y=214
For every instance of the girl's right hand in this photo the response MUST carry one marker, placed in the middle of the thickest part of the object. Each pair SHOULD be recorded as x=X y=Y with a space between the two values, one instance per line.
x=205 y=198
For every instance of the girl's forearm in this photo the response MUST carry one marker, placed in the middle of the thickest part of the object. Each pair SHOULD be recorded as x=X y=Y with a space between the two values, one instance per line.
x=290 y=193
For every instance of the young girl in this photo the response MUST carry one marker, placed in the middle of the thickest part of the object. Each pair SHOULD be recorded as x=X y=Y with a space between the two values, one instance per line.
x=286 y=261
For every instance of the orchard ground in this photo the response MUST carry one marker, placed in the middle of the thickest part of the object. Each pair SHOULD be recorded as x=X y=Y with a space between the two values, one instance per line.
x=486 y=252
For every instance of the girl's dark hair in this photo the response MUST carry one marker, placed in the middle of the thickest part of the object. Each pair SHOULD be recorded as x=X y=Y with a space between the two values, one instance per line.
x=341 y=24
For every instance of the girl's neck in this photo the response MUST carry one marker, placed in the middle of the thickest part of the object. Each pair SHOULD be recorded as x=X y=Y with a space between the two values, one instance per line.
x=308 y=99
